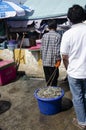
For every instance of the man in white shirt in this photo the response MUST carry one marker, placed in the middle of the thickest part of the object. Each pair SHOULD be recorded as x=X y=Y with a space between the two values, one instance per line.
x=73 y=50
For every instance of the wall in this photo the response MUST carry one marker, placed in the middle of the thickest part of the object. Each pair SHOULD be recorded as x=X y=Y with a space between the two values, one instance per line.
x=30 y=61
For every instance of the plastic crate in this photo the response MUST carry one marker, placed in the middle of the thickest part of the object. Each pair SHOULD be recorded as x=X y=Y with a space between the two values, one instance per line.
x=7 y=72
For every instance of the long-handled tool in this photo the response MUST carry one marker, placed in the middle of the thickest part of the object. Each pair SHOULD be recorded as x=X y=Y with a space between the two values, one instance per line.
x=52 y=77
x=19 y=56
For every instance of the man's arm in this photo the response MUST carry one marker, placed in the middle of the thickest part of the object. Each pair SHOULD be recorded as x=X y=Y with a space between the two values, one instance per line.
x=65 y=60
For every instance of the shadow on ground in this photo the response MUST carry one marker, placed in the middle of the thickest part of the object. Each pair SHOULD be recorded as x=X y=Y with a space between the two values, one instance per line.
x=4 y=106
x=66 y=104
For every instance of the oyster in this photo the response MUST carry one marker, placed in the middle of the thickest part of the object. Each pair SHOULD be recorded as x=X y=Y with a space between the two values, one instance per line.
x=49 y=92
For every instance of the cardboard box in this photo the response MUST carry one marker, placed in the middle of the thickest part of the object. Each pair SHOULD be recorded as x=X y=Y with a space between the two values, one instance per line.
x=7 y=72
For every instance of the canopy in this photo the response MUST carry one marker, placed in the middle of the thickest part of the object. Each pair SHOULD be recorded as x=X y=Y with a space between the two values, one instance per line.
x=17 y=1
x=10 y=9
x=44 y=9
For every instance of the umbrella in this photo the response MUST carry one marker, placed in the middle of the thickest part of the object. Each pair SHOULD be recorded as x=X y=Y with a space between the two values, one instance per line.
x=17 y=1
x=44 y=9
x=10 y=9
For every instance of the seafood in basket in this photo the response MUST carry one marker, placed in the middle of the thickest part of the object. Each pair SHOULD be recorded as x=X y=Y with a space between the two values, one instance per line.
x=49 y=92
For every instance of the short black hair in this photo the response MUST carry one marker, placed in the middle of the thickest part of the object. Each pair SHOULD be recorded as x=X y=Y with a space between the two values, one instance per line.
x=52 y=24
x=76 y=14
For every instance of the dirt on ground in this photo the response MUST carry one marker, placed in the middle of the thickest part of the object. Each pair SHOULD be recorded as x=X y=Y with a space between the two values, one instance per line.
x=24 y=113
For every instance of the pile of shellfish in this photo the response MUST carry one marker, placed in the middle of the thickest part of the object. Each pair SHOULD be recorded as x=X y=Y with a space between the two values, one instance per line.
x=49 y=92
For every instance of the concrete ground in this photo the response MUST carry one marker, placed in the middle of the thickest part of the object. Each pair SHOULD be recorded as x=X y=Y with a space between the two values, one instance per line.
x=24 y=113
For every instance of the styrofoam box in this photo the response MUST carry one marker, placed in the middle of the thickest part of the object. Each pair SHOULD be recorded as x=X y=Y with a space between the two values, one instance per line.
x=7 y=71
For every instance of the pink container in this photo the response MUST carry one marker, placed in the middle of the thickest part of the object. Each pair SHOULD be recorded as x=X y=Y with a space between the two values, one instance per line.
x=7 y=72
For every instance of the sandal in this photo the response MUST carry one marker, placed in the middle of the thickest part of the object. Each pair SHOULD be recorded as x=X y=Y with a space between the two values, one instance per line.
x=75 y=122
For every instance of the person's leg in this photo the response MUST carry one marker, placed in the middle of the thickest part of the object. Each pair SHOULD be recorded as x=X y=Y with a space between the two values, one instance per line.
x=47 y=74
x=49 y=71
x=84 y=91
x=55 y=76
x=76 y=87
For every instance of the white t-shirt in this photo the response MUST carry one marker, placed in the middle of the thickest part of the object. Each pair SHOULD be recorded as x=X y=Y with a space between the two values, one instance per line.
x=73 y=44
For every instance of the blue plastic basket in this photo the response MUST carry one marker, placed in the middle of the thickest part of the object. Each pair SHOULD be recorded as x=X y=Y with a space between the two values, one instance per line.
x=2 y=45
x=12 y=46
x=49 y=106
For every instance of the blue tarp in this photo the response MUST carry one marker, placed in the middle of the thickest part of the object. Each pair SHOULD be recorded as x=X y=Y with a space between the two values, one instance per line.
x=44 y=9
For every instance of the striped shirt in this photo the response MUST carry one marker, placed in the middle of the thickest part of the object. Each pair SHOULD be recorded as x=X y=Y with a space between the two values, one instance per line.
x=50 y=48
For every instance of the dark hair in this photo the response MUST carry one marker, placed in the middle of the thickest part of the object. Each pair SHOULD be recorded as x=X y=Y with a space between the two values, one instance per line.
x=76 y=14
x=52 y=24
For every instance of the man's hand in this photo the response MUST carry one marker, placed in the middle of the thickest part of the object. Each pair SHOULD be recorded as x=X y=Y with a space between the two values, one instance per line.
x=58 y=63
x=65 y=60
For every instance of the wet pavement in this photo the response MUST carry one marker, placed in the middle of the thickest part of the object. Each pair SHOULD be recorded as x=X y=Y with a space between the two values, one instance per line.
x=24 y=113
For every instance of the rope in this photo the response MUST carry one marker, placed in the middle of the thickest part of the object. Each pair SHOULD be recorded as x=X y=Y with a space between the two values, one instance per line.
x=52 y=76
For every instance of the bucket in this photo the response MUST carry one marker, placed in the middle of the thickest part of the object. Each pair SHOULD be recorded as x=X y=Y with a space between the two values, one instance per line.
x=2 y=45
x=49 y=106
x=12 y=46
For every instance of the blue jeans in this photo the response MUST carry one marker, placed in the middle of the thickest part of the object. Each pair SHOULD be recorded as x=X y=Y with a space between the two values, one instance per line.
x=78 y=90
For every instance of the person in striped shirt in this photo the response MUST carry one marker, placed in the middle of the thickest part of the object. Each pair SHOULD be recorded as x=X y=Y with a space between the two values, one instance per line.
x=50 y=50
